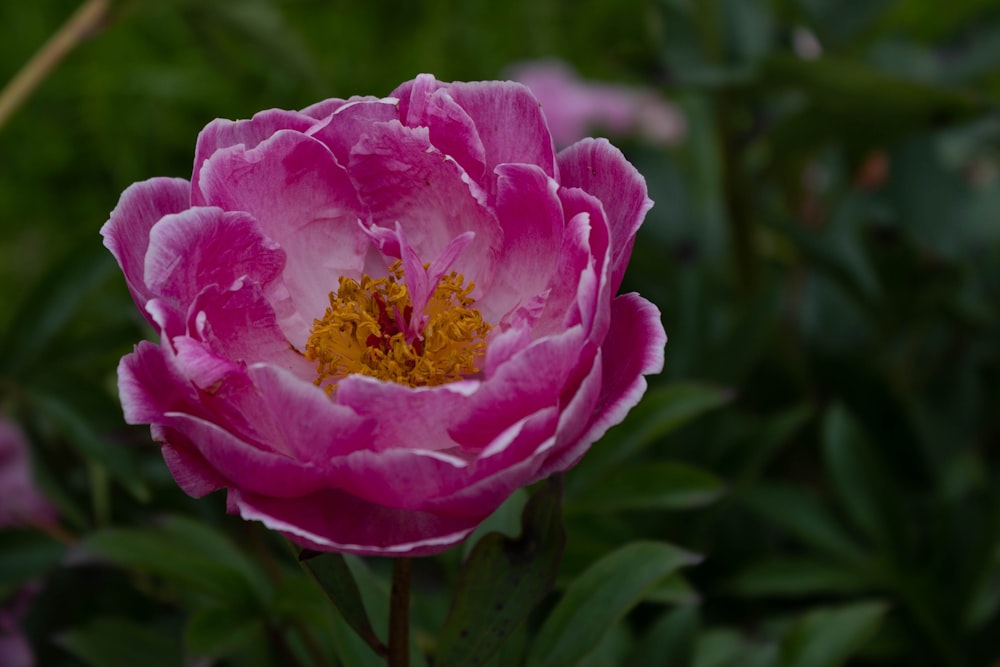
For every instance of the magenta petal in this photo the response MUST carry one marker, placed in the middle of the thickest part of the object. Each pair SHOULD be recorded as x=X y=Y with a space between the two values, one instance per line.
x=525 y=384
x=406 y=417
x=451 y=129
x=331 y=520
x=247 y=465
x=206 y=246
x=510 y=125
x=221 y=133
x=532 y=220
x=305 y=201
x=126 y=233
x=404 y=179
x=350 y=121
x=600 y=169
x=633 y=348
x=149 y=385
x=189 y=468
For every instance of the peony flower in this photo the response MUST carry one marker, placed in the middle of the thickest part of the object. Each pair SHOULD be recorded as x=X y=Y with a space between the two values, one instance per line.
x=574 y=107
x=380 y=317
x=20 y=500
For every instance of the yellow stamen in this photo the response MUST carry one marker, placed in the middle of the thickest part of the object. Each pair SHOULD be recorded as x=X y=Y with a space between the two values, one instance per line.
x=365 y=329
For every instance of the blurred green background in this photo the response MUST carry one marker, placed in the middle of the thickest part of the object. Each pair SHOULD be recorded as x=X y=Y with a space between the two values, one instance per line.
x=825 y=249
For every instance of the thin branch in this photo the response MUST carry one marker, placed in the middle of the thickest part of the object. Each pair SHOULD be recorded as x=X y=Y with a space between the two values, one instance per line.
x=82 y=23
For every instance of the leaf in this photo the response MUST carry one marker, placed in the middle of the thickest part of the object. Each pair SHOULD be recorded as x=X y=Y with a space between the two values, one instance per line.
x=331 y=572
x=670 y=641
x=660 y=412
x=217 y=631
x=502 y=581
x=799 y=514
x=51 y=304
x=599 y=597
x=25 y=555
x=828 y=637
x=799 y=577
x=651 y=486
x=119 y=460
x=119 y=642
x=165 y=553
x=865 y=489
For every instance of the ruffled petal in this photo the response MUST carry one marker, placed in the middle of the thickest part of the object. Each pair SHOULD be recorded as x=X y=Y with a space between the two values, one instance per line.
x=532 y=220
x=206 y=246
x=403 y=179
x=222 y=133
x=350 y=121
x=633 y=348
x=305 y=201
x=126 y=233
x=510 y=124
x=597 y=167
x=330 y=520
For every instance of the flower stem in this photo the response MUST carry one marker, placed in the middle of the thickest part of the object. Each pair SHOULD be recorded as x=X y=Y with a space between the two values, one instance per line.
x=83 y=22
x=399 y=615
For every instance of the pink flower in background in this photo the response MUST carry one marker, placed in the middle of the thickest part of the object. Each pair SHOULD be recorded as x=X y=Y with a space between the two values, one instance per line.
x=380 y=317
x=574 y=108
x=15 y=650
x=20 y=501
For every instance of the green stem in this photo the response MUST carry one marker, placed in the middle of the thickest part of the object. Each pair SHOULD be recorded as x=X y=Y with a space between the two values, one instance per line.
x=399 y=615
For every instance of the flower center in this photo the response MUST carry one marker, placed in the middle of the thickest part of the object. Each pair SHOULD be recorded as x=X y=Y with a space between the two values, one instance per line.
x=368 y=329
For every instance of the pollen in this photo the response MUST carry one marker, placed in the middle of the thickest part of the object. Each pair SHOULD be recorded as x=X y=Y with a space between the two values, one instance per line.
x=370 y=329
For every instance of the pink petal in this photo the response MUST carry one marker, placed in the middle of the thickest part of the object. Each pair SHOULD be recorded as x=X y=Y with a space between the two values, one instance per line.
x=351 y=121
x=20 y=500
x=406 y=417
x=189 y=468
x=206 y=246
x=222 y=133
x=526 y=383
x=632 y=349
x=510 y=125
x=532 y=220
x=451 y=129
x=305 y=201
x=149 y=385
x=597 y=167
x=404 y=179
x=126 y=233
x=331 y=520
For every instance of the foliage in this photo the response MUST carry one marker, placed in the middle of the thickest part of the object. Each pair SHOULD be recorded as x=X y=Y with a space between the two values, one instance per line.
x=825 y=248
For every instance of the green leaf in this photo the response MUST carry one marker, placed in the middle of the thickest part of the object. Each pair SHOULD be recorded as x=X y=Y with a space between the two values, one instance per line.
x=599 y=597
x=660 y=412
x=118 y=642
x=25 y=555
x=799 y=514
x=51 y=304
x=798 y=577
x=502 y=581
x=865 y=488
x=670 y=641
x=331 y=572
x=651 y=486
x=217 y=631
x=163 y=552
x=118 y=459
x=828 y=637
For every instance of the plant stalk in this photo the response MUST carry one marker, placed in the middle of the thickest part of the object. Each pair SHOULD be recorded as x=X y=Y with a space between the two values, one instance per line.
x=82 y=23
x=399 y=615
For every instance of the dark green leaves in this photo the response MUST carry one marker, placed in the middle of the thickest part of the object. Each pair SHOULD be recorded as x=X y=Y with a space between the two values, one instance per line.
x=502 y=580
x=335 y=578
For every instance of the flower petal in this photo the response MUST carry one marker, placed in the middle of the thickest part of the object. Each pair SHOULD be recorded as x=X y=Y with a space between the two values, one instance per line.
x=126 y=233
x=330 y=520
x=597 y=167
x=403 y=179
x=305 y=201
x=222 y=133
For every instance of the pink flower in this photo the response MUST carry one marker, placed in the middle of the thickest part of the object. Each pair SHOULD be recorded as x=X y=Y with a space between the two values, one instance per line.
x=574 y=107
x=380 y=317
x=20 y=501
